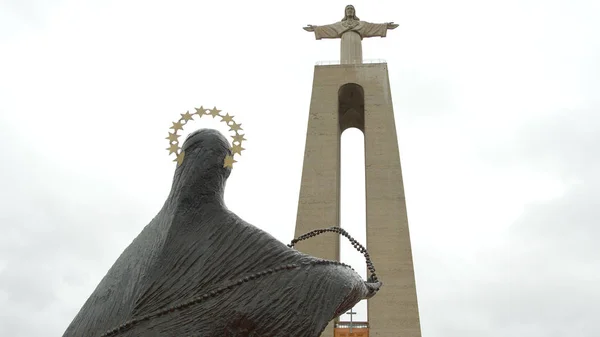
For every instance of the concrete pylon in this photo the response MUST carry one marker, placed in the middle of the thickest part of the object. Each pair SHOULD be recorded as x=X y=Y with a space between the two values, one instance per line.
x=358 y=95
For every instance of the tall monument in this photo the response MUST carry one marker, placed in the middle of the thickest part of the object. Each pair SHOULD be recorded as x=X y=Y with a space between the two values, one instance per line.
x=354 y=94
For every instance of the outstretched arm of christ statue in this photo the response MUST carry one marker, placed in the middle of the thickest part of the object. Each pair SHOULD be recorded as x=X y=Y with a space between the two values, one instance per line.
x=365 y=29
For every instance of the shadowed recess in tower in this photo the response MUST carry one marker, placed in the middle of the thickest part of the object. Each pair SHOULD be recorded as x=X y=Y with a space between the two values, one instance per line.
x=351 y=107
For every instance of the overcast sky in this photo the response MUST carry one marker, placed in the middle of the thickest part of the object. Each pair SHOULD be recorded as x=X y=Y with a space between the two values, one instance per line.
x=497 y=108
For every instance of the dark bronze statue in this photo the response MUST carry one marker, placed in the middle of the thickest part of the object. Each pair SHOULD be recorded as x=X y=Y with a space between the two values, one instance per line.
x=199 y=270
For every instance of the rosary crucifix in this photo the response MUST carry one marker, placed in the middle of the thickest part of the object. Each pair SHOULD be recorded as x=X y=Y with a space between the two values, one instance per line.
x=351 y=30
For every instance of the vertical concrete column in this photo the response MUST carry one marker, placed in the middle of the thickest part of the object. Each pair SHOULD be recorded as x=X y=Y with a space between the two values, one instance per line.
x=318 y=205
x=394 y=311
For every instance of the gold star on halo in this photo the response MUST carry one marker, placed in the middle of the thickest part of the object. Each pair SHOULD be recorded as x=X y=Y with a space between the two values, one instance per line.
x=214 y=112
x=200 y=111
x=237 y=149
x=229 y=161
x=235 y=127
x=238 y=138
x=179 y=158
x=227 y=119
x=186 y=116
x=173 y=137
x=173 y=148
x=176 y=126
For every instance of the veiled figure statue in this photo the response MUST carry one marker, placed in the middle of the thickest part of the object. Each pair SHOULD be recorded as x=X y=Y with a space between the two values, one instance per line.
x=197 y=269
x=351 y=30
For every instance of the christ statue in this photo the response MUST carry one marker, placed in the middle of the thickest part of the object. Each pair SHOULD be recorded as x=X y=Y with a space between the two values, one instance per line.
x=351 y=30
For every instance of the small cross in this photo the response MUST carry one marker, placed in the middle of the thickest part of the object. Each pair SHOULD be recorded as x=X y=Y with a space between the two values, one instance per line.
x=351 y=313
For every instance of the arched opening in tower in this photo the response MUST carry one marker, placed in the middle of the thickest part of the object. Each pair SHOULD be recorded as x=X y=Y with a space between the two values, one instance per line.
x=352 y=184
x=351 y=107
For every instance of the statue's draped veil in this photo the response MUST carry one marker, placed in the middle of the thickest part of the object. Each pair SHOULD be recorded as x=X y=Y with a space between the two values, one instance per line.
x=195 y=246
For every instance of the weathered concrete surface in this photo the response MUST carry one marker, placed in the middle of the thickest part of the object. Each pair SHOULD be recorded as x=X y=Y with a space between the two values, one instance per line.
x=394 y=312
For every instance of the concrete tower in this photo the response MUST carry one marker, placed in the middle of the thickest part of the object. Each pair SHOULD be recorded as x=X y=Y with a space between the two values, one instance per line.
x=355 y=94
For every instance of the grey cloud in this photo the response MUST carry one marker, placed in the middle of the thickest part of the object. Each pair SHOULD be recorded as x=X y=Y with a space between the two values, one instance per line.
x=31 y=11
x=542 y=279
x=61 y=232
x=566 y=140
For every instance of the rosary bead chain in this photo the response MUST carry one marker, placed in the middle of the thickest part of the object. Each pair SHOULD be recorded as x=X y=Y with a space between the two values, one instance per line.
x=230 y=285
x=354 y=243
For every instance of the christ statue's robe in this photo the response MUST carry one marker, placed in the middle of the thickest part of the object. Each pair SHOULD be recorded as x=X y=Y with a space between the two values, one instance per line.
x=351 y=32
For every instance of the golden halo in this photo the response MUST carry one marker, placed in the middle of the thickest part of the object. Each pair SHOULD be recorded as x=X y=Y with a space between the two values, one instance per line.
x=201 y=111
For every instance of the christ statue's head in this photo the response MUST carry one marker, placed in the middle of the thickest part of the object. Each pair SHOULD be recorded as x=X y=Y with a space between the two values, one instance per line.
x=350 y=13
